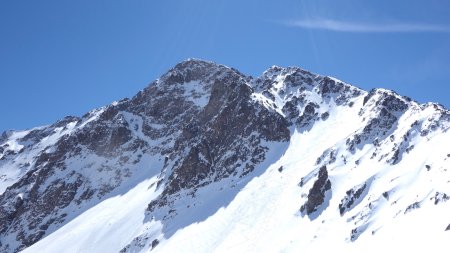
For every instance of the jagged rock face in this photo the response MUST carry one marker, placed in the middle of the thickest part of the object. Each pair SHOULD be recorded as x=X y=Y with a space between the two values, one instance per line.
x=352 y=197
x=206 y=125
x=316 y=195
x=302 y=97
x=196 y=113
x=229 y=120
x=41 y=196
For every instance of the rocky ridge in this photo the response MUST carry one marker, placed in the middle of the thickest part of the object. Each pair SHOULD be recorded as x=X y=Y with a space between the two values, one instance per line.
x=204 y=126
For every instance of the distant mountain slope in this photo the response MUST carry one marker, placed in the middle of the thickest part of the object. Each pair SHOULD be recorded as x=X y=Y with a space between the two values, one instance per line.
x=207 y=159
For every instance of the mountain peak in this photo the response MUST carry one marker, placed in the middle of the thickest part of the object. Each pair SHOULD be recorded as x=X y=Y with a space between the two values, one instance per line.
x=207 y=150
x=194 y=62
x=196 y=69
x=278 y=70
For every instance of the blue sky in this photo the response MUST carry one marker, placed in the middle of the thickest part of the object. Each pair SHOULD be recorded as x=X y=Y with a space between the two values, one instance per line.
x=64 y=57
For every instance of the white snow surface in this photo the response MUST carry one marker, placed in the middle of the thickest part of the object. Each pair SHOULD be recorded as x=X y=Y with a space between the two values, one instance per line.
x=195 y=93
x=398 y=210
x=264 y=215
x=13 y=170
x=106 y=227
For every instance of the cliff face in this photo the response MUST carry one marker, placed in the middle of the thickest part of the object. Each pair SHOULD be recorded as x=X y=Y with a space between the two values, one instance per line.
x=204 y=133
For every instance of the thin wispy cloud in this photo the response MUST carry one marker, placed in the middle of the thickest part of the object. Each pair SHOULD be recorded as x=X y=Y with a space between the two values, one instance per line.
x=360 y=27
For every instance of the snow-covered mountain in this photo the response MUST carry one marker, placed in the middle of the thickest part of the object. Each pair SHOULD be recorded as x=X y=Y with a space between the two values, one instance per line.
x=207 y=159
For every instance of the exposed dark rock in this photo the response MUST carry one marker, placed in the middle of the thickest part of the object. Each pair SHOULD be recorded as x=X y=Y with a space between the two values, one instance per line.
x=328 y=85
x=219 y=135
x=4 y=136
x=368 y=96
x=388 y=107
x=308 y=116
x=356 y=232
x=352 y=198
x=440 y=197
x=328 y=157
x=324 y=116
x=40 y=133
x=389 y=99
x=290 y=109
x=155 y=243
x=203 y=134
x=411 y=207
x=316 y=195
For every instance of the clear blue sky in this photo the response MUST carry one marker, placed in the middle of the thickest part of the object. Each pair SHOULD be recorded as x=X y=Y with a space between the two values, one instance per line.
x=64 y=57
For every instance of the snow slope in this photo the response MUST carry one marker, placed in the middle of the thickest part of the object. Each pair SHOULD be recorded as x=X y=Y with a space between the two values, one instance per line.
x=106 y=227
